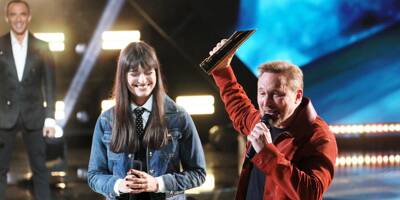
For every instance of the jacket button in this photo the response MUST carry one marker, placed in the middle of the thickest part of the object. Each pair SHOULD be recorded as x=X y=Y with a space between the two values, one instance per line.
x=8 y=103
x=130 y=155
x=150 y=153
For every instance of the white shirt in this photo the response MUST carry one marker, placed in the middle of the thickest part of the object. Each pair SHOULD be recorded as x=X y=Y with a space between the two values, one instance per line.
x=19 y=51
x=146 y=114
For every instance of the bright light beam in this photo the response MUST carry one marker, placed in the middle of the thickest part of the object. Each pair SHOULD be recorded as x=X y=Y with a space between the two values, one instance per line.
x=197 y=105
x=108 y=17
x=116 y=40
x=55 y=40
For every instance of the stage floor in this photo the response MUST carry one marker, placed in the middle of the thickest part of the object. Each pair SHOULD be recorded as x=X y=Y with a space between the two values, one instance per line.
x=379 y=182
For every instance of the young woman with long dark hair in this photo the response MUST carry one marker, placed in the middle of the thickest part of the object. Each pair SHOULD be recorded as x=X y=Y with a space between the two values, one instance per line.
x=140 y=145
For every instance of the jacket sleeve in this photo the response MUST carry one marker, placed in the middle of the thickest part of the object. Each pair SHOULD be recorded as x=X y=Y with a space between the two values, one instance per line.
x=49 y=82
x=192 y=160
x=306 y=178
x=100 y=179
x=239 y=107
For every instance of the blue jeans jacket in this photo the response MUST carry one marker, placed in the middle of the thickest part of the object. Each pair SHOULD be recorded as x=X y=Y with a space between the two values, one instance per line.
x=184 y=147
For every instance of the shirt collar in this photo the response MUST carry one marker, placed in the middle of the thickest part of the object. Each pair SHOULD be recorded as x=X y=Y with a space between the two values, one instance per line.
x=147 y=106
x=14 y=40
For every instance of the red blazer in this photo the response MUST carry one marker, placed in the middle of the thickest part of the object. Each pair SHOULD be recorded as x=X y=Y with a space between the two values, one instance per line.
x=300 y=164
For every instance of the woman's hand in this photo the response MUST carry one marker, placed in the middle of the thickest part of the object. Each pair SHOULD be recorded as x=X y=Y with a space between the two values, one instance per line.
x=137 y=182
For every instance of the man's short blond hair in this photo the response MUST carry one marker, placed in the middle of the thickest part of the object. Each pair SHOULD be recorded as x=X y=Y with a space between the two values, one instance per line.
x=292 y=72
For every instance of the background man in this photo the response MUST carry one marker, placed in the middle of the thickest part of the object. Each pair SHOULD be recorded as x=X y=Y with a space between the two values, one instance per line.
x=26 y=80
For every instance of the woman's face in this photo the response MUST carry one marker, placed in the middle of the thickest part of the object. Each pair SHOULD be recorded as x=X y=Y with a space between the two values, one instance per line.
x=141 y=84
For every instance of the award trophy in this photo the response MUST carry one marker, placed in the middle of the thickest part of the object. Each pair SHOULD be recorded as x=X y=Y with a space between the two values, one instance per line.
x=233 y=43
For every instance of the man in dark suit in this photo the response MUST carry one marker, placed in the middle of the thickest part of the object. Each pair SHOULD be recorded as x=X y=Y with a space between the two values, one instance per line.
x=27 y=80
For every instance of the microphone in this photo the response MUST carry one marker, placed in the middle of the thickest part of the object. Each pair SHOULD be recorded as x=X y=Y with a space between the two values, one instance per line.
x=251 y=152
x=137 y=165
x=233 y=42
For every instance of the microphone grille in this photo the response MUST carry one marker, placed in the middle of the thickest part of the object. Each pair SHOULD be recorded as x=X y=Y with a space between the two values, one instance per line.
x=265 y=119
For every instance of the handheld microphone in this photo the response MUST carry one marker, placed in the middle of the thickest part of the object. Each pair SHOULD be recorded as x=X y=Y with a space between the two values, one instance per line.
x=251 y=152
x=137 y=165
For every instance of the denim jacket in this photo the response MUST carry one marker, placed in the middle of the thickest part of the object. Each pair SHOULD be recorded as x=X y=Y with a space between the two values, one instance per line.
x=184 y=147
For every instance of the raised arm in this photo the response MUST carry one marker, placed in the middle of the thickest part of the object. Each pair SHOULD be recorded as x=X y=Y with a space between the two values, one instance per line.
x=239 y=107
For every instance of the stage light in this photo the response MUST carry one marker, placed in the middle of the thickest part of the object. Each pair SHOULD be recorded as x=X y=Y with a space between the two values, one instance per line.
x=55 y=40
x=59 y=113
x=119 y=39
x=194 y=105
x=197 y=105
x=365 y=128
x=59 y=173
x=61 y=185
x=370 y=160
x=82 y=116
x=80 y=48
x=107 y=104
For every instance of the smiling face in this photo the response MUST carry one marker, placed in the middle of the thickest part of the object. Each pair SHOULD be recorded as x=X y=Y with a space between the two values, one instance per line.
x=141 y=83
x=276 y=98
x=18 y=17
x=138 y=77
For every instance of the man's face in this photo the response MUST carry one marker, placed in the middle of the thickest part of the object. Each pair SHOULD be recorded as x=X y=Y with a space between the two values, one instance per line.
x=18 y=17
x=141 y=84
x=276 y=98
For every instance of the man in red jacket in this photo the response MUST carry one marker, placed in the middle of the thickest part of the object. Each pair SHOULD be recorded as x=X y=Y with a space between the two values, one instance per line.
x=296 y=153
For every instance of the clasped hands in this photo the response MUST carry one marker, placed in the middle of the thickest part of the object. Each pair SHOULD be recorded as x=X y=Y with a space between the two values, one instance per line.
x=137 y=182
x=259 y=136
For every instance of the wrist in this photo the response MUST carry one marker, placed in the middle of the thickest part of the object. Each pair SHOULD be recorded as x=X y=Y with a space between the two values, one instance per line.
x=117 y=187
x=160 y=184
x=156 y=189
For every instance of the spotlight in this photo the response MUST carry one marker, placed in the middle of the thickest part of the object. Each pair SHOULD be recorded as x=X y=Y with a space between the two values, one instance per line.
x=118 y=39
x=55 y=40
x=197 y=105
x=365 y=128
x=82 y=116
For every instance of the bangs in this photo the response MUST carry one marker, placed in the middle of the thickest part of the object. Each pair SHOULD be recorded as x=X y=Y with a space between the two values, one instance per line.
x=141 y=57
x=145 y=64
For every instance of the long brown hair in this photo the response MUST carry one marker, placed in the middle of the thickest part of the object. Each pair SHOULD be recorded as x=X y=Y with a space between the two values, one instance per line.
x=124 y=136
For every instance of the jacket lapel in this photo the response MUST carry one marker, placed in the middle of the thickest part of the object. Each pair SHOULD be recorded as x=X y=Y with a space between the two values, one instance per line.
x=29 y=56
x=8 y=54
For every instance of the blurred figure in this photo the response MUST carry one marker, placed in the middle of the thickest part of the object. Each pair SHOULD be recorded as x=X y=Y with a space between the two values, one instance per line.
x=294 y=150
x=139 y=145
x=26 y=80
